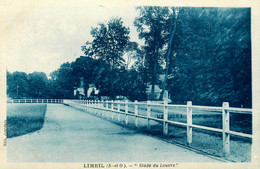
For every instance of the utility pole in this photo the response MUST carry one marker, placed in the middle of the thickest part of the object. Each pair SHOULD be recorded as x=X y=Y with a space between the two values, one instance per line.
x=172 y=32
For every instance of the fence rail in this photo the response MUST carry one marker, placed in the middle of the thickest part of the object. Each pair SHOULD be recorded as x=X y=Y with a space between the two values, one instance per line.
x=54 y=101
x=143 y=110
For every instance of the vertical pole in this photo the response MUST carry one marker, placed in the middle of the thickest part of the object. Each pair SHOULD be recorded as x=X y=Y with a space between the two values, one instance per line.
x=106 y=115
x=189 y=122
x=88 y=104
x=106 y=104
x=136 y=113
x=225 y=126
x=112 y=108
x=118 y=109
x=126 y=111
x=102 y=106
x=95 y=107
x=165 y=118
x=148 y=115
x=98 y=106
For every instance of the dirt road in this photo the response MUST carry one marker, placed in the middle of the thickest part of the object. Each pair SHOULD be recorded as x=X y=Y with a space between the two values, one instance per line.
x=70 y=135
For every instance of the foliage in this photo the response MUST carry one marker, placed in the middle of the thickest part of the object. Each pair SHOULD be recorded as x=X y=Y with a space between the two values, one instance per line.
x=64 y=81
x=110 y=40
x=209 y=59
x=213 y=59
x=37 y=82
x=153 y=25
x=17 y=84
x=21 y=85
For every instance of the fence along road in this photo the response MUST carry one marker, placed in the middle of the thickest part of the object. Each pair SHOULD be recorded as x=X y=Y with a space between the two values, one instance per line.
x=70 y=135
x=145 y=113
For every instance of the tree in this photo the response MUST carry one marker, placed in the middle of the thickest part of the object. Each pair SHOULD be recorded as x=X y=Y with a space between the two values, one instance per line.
x=17 y=85
x=170 y=50
x=109 y=43
x=153 y=25
x=110 y=40
x=64 y=82
x=213 y=57
x=37 y=84
x=132 y=52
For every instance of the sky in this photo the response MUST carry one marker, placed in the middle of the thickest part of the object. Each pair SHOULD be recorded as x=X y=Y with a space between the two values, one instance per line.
x=45 y=36
x=41 y=35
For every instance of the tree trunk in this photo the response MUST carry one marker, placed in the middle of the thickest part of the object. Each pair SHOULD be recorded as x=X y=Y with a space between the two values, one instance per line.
x=169 y=53
x=154 y=75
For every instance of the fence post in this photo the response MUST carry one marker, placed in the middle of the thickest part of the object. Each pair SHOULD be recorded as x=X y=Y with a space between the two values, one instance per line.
x=165 y=118
x=189 y=122
x=126 y=111
x=136 y=113
x=106 y=115
x=148 y=115
x=112 y=108
x=118 y=109
x=102 y=107
x=225 y=127
x=106 y=104
x=98 y=106
x=95 y=106
x=93 y=109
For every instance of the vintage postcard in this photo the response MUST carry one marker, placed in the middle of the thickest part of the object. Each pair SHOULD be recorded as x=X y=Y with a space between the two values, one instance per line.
x=129 y=84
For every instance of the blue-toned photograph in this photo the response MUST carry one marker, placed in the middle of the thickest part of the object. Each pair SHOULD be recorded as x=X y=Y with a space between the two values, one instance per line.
x=110 y=83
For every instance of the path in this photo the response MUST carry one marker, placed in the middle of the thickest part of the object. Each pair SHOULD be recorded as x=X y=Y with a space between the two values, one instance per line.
x=70 y=135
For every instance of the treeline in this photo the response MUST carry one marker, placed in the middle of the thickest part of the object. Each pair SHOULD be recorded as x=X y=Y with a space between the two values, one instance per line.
x=67 y=78
x=213 y=57
x=203 y=55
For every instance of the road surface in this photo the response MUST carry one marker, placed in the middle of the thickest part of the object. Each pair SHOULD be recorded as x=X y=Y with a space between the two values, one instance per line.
x=71 y=135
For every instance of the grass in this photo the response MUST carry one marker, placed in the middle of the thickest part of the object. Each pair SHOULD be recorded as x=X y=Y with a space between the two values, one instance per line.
x=24 y=118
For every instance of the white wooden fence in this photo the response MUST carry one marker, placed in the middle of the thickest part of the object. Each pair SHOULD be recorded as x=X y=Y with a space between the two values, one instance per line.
x=143 y=110
x=56 y=101
x=122 y=108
